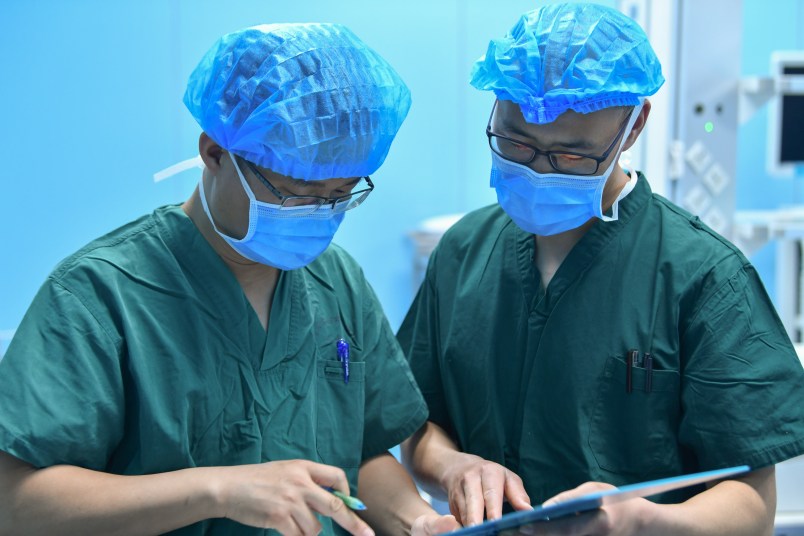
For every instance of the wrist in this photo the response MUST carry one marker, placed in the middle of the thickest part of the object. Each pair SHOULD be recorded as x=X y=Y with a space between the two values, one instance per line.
x=213 y=498
x=657 y=519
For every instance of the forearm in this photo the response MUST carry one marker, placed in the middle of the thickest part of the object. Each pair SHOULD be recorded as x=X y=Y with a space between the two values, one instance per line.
x=733 y=507
x=425 y=455
x=72 y=500
x=392 y=501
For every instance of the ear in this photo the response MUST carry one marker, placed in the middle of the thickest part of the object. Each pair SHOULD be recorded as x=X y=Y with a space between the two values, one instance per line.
x=639 y=124
x=210 y=152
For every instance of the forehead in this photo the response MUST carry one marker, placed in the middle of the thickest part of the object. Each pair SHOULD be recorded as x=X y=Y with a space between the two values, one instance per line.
x=286 y=181
x=600 y=123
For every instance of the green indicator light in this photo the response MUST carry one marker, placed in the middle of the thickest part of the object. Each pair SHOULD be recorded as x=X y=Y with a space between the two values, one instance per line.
x=709 y=126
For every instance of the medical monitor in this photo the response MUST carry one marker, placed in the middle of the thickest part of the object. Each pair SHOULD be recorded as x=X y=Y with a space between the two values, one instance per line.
x=786 y=114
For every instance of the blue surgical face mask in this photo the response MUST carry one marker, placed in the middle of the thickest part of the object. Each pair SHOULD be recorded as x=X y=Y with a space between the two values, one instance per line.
x=280 y=238
x=551 y=203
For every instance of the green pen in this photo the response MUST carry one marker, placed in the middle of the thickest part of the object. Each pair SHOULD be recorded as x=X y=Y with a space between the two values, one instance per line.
x=352 y=502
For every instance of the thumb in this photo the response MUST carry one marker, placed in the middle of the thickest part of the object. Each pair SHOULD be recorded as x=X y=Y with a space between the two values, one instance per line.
x=430 y=525
x=443 y=524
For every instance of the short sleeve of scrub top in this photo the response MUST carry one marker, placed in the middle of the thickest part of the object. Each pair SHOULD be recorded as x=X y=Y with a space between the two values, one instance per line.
x=67 y=407
x=140 y=354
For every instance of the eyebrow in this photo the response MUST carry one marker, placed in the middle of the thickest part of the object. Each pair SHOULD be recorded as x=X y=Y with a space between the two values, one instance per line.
x=318 y=184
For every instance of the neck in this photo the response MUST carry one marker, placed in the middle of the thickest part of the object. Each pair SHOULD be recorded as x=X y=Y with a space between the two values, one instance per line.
x=552 y=250
x=613 y=187
x=236 y=262
x=258 y=281
x=558 y=245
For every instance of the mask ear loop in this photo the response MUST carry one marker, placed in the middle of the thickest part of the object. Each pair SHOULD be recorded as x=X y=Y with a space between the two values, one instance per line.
x=252 y=205
x=632 y=182
x=243 y=181
x=204 y=204
x=256 y=203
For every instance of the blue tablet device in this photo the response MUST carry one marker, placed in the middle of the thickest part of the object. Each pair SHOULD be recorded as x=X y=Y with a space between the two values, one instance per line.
x=592 y=501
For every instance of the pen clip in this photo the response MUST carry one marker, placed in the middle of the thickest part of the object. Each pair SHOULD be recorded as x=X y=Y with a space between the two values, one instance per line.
x=343 y=357
x=648 y=361
x=631 y=359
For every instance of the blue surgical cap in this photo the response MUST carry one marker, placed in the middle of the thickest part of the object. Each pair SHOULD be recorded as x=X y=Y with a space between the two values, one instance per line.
x=581 y=57
x=310 y=101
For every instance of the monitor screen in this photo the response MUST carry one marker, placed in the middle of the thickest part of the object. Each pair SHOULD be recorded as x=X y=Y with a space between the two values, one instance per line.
x=792 y=119
x=785 y=155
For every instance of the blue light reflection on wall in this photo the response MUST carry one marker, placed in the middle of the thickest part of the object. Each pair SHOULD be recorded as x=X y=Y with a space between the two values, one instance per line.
x=92 y=108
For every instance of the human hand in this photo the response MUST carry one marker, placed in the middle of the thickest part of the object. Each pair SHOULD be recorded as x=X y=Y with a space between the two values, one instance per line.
x=474 y=485
x=285 y=495
x=432 y=524
x=626 y=518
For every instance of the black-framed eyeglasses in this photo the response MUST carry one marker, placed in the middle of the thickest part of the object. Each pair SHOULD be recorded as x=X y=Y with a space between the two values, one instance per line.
x=562 y=161
x=302 y=205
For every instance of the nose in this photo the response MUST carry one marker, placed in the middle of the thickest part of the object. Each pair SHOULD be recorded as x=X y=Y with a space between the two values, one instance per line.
x=541 y=164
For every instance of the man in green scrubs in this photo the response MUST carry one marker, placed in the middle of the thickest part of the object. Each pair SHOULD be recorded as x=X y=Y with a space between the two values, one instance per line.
x=522 y=333
x=210 y=368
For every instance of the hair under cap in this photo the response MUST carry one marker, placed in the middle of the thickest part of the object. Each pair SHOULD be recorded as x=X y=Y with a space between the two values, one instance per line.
x=581 y=57
x=310 y=101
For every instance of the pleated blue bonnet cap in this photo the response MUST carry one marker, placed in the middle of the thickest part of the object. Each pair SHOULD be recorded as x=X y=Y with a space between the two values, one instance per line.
x=581 y=57
x=310 y=101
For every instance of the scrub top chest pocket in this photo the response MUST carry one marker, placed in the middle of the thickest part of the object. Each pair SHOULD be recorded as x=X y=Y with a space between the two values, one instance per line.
x=635 y=419
x=340 y=386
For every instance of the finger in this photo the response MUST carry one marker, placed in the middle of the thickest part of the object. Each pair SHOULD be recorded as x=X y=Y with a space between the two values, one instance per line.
x=329 y=505
x=420 y=527
x=457 y=505
x=288 y=526
x=561 y=497
x=475 y=504
x=457 y=501
x=442 y=524
x=583 y=489
x=577 y=525
x=305 y=521
x=493 y=483
x=432 y=524
x=328 y=476
x=515 y=492
x=447 y=524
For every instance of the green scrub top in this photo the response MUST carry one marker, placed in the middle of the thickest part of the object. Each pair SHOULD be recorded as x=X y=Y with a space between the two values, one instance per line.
x=141 y=354
x=535 y=379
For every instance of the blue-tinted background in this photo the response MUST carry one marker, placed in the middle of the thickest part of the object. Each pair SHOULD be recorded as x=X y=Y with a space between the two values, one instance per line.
x=91 y=107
